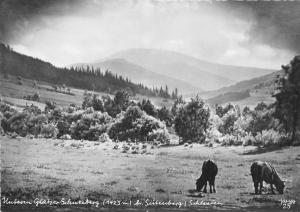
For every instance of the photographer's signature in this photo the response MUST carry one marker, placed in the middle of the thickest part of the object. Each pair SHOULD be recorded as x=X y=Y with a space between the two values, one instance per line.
x=287 y=203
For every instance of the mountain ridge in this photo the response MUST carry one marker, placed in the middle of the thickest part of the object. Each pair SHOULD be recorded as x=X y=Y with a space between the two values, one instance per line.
x=139 y=74
x=197 y=72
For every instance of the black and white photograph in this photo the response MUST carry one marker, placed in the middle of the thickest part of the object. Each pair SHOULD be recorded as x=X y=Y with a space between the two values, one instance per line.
x=150 y=105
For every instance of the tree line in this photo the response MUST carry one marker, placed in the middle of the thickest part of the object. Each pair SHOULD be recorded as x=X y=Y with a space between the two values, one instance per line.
x=89 y=78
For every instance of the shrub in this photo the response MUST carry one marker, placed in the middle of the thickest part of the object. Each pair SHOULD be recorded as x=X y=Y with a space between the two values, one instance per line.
x=73 y=117
x=49 y=130
x=148 y=107
x=55 y=114
x=228 y=120
x=65 y=137
x=165 y=115
x=92 y=100
x=228 y=140
x=32 y=109
x=104 y=138
x=34 y=97
x=90 y=126
x=261 y=119
x=5 y=125
x=97 y=103
x=6 y=108
x=220 y=111
x=178 y=103
x=161 y=135
x=192 y=121
x=136 y=125
x=119 y=103
x=63 y=127
x=17 y=123
x=35 y=123
x=248 y=139
x=50 y=105
x=213 y=135
x=268 y=138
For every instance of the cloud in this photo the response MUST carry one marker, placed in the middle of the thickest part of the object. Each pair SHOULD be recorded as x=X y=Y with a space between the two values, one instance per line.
x=66 y=32
x=275 y=23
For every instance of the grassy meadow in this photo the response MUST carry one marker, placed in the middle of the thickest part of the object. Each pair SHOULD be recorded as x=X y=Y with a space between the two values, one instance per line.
x=55 y=169
x=13 y=93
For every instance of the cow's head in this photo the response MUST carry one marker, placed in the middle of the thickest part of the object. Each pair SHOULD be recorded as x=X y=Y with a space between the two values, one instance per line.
x=199 y=184
x=280 y=186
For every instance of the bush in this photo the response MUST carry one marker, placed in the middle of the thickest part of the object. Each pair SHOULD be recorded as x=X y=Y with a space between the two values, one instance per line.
x=35 y=123
x=49 y=130
x=228 y=120
x=32 y=109
x=90 y=126
x=192 y=121
x=17 y=123
x=50 y=106
x=65 y=137
x=92 y=100
x=148 y=107
x=268 y=138
x=228 y=140
x=165 y=115
x=115 y=106
x=6 y=108
x=261 y=119
x=63 y=128
x=248 y=139
x=136 y=125
x=220 y=111
x=213 y=135
x=104 y=138
x=161 y=135
x=34 y=97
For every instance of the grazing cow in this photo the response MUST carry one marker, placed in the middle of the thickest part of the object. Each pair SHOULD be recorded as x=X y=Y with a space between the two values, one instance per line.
x=209 y=172
x=263 y=171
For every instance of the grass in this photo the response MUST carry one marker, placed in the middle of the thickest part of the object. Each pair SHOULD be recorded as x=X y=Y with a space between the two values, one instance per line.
x=38 y=167
x=12 y=93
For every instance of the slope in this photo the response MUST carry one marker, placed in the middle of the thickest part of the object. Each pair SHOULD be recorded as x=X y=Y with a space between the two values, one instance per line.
x=20 y=65
x=199 y=73
x=139 y=74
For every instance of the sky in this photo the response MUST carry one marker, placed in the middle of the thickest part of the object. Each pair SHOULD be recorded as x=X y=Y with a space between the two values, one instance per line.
x=65 y=32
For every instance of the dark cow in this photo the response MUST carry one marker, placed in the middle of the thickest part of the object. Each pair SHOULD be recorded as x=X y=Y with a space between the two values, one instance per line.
x=263 y=171
x=209 y=172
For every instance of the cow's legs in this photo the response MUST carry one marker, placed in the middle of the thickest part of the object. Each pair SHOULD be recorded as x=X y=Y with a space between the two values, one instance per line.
x=272 y=190
x=256 y=187
x=212 y=186
x=204 y=190
x=261 y=185
x=213 y=182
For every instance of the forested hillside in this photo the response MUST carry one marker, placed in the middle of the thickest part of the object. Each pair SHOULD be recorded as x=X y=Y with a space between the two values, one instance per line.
x=14 y=63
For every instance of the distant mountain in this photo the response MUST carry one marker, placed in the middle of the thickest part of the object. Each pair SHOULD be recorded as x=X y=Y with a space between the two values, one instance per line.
x=196 y=72
x=229 y=97
x=14 y=63
x=268 y=79
x=139 y=74
x=259 y=88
